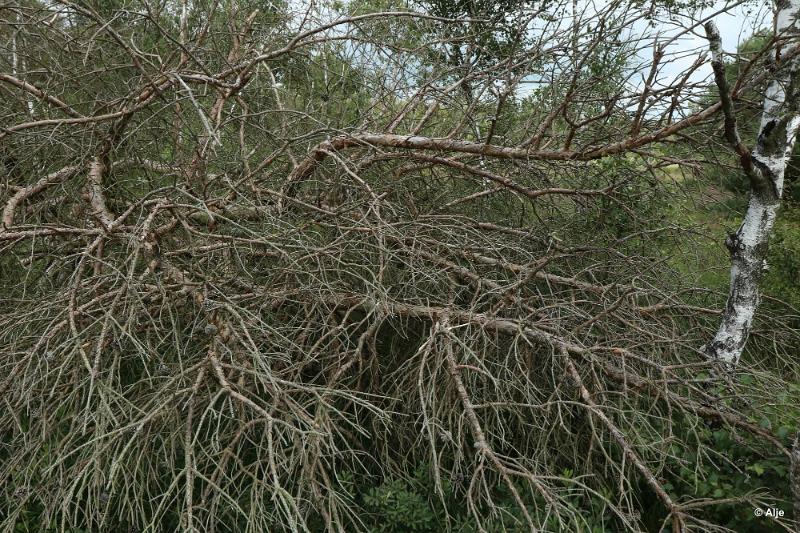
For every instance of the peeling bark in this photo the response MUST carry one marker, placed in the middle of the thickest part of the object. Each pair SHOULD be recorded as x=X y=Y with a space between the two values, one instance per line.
x=96 y=195
x=776 y=137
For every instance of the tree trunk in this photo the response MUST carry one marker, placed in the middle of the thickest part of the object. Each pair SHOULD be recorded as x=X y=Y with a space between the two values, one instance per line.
x=765 y=167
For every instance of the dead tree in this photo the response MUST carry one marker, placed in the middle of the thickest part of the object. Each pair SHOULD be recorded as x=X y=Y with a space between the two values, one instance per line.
x=248 y=257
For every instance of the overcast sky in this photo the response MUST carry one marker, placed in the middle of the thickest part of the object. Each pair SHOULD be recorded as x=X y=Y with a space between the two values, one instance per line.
x=735 y=26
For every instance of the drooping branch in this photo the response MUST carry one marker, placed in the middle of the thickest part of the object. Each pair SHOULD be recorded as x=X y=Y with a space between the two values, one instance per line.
x=731 y=129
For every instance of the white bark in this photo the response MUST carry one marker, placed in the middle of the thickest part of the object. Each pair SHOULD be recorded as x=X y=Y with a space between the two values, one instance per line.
x=748 y=246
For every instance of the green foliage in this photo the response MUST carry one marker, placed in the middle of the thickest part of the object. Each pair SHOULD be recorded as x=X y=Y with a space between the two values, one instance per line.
x=733 y=471
x=397 y=507
x=497 y=34
x=783 y=277
x=413 y=505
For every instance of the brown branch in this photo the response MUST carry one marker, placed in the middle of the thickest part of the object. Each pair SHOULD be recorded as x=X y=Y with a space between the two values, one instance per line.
x=757 y=180
x=32 y=89
x=415 y=142
x=647 y=474
x=26 y=193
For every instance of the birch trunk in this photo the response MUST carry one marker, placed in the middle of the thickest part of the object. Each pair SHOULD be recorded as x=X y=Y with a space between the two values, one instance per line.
x=765 y=167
